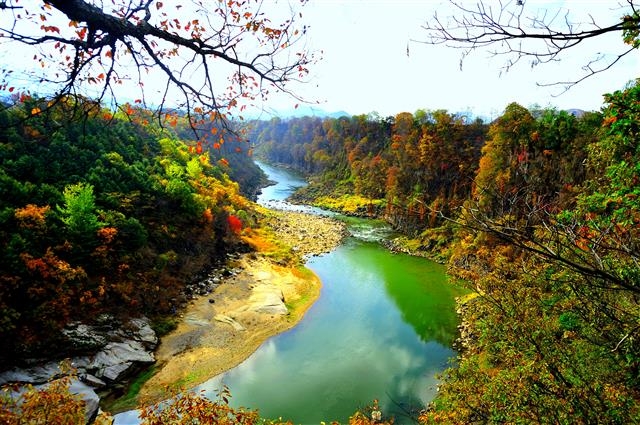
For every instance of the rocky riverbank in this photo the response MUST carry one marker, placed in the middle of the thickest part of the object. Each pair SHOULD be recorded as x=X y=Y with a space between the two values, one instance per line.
x=263 y=298
x=220 y=330
x=307 y=234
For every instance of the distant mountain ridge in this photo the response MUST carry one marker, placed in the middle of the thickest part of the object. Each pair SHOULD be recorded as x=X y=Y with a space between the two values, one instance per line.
x=309 y=111
x=302 y=110
x=576 y=112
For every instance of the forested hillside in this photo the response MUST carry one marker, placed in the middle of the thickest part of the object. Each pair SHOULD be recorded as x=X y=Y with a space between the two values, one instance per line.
x=417 y=169
x=106 y=214
x=538 y=212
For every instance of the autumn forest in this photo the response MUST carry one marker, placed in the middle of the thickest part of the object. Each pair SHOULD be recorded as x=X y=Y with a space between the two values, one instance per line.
x=107 y=214
x=536 y=211
x=114 y=206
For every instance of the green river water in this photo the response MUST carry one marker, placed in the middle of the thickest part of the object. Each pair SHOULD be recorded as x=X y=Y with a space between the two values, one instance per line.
x=382 y=329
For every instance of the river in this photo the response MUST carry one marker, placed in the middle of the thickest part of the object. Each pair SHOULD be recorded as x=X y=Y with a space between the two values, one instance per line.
x=382 y=329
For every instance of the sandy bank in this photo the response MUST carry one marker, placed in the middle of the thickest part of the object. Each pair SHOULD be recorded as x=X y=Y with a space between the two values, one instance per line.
x=220 y=330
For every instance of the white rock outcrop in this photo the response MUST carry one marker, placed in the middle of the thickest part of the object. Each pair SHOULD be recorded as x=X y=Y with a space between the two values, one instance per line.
x=267 y=299
x=119 y=350
x=117 y=358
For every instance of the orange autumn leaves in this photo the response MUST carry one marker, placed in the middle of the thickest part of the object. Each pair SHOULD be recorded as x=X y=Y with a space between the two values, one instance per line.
x=32 y=216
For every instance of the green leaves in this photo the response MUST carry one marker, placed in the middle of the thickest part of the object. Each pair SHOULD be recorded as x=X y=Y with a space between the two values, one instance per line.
x=79 y=210
x=631 y=31
x=569 y=321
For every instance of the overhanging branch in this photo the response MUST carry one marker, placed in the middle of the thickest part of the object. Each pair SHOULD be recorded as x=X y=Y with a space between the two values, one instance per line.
x=505 y=29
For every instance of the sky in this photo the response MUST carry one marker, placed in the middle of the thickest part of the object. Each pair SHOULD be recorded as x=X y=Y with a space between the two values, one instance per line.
x=373 y=62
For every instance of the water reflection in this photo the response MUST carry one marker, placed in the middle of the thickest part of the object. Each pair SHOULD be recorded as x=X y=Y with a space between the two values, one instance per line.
x=420 y=291
x=355 y=344
x=382 y=328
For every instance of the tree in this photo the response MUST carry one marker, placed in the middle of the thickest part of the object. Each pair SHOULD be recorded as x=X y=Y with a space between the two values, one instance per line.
x=501 y=166
x=553 y=335
x=51 y=403
x=519 y=31
x=101 y=49
x=78 y=213
x=102 y=214
x=189 y=408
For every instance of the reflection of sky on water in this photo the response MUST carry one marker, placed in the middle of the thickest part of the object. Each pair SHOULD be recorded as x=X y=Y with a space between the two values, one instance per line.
x=353 y=346
x=377 y=331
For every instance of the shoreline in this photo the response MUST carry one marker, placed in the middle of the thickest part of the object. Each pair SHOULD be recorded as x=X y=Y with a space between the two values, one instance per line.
x=219 y=331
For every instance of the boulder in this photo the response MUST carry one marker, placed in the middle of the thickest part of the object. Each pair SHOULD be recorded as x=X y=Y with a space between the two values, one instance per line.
x=116 y=371
x=92 y=381
x=91 y=399
x=43 y=373
x=141 y=331
x=33 y=375
x=267 y=299
x=84 y=337
x=117 y=358
x=119 y=347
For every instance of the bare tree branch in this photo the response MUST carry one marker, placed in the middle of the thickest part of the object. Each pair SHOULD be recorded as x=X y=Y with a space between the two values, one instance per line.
x=211 y=54
x=515 y=31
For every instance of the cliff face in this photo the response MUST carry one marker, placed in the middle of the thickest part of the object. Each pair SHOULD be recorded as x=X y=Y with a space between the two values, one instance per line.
x=115 y=351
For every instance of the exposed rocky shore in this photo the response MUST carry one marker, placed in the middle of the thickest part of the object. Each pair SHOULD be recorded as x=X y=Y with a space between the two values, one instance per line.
x=307 y=234
x=466 y=310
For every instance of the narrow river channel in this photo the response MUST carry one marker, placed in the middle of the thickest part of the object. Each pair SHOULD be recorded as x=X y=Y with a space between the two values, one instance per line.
x=382 y=329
